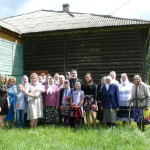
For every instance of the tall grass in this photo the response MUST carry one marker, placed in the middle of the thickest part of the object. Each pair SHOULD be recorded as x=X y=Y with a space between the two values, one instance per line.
x=61 y=138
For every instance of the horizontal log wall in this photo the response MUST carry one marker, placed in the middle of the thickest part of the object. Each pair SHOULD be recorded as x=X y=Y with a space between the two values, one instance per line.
x=96 y=52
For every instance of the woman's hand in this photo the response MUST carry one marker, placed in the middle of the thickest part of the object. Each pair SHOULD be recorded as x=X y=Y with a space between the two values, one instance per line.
x=117 y=109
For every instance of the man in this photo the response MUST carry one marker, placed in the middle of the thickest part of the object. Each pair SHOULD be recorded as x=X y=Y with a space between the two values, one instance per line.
x=74 y=79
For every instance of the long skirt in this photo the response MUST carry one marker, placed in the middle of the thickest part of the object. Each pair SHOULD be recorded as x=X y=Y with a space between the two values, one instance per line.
x=123 y=114
x=138 y=115
x=110 y=116
x=51 y=115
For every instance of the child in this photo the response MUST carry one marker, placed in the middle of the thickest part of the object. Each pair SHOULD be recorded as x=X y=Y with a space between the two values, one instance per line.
x=77 y=100
x=20 y=106
x=65 y=102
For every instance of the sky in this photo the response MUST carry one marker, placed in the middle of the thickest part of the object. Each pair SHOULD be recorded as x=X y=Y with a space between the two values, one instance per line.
x=137 y=9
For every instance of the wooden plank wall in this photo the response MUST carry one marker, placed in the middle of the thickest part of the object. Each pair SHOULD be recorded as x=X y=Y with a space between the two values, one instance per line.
x=97 y=52
x=11 y=62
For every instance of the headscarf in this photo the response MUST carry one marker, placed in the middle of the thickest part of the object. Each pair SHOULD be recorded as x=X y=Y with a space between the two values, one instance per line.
x=24 y=84
x=108 y=78
x=50 y=87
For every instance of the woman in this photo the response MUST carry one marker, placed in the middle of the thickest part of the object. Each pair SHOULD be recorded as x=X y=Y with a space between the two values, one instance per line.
x=12 y=90
x=35 y=101
x=51 y=103
x=90 y=102
x=113 y=76
x=25 y=82
x=68 y=75
x=61 y=81
x=140 y=98
x=110 y=102
x=125 y=91
x=4 y=102
x=56 y=79
x=99 y=91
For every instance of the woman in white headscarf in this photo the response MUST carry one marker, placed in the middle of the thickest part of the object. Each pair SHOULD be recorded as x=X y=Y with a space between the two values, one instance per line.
x=51 y=103
x=25 y=82
x=125 y=92
x=35 y=101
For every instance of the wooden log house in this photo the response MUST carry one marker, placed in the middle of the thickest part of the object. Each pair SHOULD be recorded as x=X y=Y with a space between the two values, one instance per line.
x=58 y=41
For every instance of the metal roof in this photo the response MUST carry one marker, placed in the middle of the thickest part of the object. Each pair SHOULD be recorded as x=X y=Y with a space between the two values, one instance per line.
x=48 y=20
x=8 y=27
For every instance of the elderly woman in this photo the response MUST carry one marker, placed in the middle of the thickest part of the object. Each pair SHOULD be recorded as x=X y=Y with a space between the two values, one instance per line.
x=125 y=92
x=113 y=76
x=99 y=91
x=25 y=82
x=35 y=101
x=140 y=98
x=110 y=102
x=61 y=81
x=51 y=103
x=12 y=90
x=56 y=79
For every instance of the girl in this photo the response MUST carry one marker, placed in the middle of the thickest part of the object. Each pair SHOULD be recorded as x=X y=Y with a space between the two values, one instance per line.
x=65 y=95
x=77 y=99
x=90 y=102
x=12 y=90
x=20 y=106
x=51 y=103
x=35 y=101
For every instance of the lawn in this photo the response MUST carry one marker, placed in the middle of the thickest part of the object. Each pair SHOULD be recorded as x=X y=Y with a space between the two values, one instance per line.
x=61 y=138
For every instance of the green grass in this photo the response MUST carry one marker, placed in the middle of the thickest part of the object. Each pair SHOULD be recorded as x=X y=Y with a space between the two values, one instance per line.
x=61 y=138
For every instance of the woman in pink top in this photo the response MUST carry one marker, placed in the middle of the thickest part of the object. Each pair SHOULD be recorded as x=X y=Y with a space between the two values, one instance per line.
x=51 y=102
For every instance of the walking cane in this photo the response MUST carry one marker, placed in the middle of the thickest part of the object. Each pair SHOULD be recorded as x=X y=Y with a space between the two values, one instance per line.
x=129 y=113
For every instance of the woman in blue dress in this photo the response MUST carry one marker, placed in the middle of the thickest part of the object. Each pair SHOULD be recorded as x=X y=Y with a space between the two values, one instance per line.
x=12 y=90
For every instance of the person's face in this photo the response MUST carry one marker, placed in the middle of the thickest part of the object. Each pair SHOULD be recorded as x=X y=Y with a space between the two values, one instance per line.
x=103 y=81
x=113 y=75
x=66 y=85
x=3 y=79
x=137 y=81
x=43 y=76
x=40 y=79
x=25 y=80
x=61 y=80
x=87 y=78
x=34 y=79
x=20 y=88
x=56 y=77
x=123 y=77
x=74 y=74
x=108 y=81
x=77 y=86
x=51 y=81
x=67 y=76
x=11 y=82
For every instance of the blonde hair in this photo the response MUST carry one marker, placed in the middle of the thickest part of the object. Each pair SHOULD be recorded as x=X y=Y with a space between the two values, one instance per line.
x=12 y=79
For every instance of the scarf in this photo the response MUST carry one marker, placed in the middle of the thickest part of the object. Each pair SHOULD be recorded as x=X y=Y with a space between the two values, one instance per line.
x=50 y=89
x=107 y=87
x=124 y=82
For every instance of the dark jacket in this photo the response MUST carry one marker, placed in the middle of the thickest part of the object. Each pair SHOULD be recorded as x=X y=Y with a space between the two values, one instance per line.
x=110 y=98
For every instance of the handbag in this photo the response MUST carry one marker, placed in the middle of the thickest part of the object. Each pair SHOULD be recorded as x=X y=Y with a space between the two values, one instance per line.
x=146 y=114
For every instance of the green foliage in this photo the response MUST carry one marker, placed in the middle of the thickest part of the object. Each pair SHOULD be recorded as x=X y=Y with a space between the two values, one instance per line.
x=148 y=65
x=61 y=138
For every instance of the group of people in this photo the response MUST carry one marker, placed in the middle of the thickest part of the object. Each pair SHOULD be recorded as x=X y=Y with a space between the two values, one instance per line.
x=67 y=99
